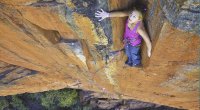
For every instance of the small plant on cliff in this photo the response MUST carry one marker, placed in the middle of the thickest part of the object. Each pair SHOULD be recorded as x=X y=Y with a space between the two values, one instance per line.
x=18 y=103
x=3 y=103
x=62 y=98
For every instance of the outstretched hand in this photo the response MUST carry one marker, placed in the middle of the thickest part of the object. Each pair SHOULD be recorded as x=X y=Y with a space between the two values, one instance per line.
x=101 y=14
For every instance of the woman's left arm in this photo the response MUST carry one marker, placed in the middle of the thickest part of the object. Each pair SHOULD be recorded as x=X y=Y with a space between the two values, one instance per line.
x=141 y=30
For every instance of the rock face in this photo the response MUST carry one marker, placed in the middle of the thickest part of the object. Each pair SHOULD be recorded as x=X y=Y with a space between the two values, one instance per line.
x=183 y=14
x=64 y=45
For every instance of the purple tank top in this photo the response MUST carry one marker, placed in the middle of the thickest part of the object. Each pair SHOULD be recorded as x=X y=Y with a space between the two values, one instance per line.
x=131 y=35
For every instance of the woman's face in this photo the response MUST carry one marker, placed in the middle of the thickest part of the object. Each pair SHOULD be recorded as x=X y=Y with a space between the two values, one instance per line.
x=133 y=17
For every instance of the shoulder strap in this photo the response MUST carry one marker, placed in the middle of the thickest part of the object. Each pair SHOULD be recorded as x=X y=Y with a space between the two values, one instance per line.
x=126 y=21
x=135 y=28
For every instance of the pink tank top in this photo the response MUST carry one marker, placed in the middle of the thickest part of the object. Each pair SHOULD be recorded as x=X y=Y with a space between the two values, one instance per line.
x=131 y=35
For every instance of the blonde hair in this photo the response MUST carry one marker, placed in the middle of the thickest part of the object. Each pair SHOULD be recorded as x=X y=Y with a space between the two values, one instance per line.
x=140 y=14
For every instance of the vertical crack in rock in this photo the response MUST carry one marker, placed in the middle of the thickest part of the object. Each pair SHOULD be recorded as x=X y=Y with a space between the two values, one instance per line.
x=155 y=24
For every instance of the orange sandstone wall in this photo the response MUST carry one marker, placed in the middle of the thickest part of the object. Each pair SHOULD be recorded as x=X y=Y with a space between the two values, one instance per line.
x=47 y=45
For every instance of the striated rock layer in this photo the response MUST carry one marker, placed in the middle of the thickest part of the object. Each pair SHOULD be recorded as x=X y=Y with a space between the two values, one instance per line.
x=54 y=44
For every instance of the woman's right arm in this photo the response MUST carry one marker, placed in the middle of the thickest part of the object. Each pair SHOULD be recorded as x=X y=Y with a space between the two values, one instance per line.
x=119 y=14
x=103 y=14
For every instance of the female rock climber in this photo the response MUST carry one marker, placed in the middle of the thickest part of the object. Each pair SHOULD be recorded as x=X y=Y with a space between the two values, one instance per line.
x=133 y=35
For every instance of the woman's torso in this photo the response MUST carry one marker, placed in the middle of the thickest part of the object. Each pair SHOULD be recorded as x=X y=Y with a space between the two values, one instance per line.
x=131 y=35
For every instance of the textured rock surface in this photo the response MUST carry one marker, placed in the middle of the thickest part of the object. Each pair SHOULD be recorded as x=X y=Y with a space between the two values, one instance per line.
x=67 y=47
x=183 y=14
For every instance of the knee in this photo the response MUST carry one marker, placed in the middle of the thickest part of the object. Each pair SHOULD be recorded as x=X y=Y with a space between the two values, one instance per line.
x=135 y=53
x=136 y=56
x=135 y=50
